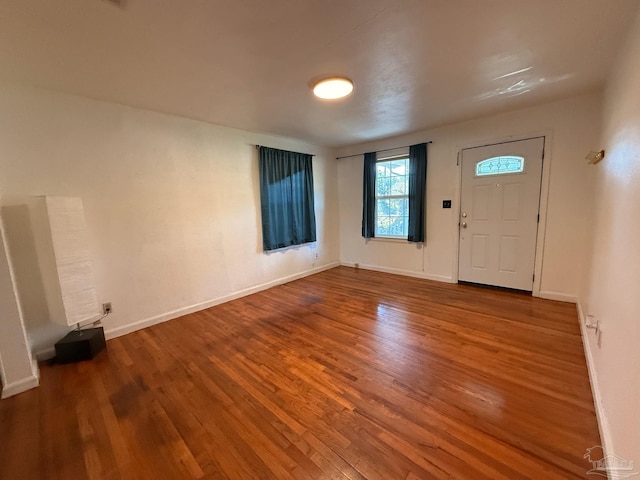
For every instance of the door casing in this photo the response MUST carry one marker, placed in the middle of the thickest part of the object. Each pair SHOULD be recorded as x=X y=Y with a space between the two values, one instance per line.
x=544 y=199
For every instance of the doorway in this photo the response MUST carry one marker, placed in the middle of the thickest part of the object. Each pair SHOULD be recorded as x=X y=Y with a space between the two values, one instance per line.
x=499 y=213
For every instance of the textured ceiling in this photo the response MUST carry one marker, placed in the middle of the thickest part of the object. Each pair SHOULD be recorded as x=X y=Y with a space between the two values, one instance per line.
x=249 y=63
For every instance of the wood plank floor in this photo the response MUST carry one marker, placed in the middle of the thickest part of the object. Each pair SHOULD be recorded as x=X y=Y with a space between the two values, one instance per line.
x=347 y=374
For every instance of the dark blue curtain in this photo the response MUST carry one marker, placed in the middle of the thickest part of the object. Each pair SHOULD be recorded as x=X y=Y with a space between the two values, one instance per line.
x=286 y=198
x=417 y=192
x=369 y=196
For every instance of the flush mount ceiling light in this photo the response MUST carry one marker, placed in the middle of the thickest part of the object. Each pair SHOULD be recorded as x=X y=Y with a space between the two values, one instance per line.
x=333 y=88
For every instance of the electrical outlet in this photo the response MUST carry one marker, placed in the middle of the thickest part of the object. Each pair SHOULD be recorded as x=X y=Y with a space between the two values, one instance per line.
x=106 y=308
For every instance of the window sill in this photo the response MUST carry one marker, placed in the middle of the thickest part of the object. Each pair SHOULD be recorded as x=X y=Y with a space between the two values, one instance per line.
x=389 y=239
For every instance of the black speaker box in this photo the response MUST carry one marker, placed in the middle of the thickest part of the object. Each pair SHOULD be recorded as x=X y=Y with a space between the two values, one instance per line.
x=80 y=345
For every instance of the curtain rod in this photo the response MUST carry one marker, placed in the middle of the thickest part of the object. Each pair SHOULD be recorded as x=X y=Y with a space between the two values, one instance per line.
x=312 y=154
x=379 y=151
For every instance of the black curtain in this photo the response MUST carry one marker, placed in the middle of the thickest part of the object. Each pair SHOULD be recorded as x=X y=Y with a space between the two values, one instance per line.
x=369 y=196
x=417 y=192
x=286 y=198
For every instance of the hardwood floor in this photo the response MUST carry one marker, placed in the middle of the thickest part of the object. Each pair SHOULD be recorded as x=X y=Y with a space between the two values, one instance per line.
x=348 y=374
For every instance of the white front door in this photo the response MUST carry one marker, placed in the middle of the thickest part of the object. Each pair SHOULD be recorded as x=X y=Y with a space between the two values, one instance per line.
x=499 y=213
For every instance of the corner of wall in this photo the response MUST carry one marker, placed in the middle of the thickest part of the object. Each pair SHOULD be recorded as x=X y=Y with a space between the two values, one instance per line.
x=603 y=424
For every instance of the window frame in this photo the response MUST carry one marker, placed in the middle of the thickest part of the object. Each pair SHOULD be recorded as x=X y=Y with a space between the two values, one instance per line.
x=387 y=159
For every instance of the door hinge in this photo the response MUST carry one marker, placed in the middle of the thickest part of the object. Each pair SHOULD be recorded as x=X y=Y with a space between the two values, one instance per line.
x=534 y=277
x=538 y=219
x=458 y=160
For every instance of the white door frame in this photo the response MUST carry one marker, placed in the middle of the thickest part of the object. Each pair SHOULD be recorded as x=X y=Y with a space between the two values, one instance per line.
x=544 y=198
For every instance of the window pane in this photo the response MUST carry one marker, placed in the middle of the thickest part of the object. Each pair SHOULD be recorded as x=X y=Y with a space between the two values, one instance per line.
x=398 y=185
x=382 y=207
x=382 y=226
x=382 y=169
x=383 y=186
x=398 y=226
x=396 y=206
x=399 y=167
x=500 y=165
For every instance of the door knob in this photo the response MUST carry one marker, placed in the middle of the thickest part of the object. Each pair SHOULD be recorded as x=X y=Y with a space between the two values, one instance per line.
x=463 y=224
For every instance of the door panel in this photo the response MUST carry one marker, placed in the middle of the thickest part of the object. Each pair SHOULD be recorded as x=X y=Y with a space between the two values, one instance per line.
x=511 y=202
x=479 y=252
x=508 y=253
x=481 y=195
x=499 y=213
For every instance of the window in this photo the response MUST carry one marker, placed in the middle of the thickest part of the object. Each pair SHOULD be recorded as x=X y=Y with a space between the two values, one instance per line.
x=394 y=195
x=392 y=198
x=286 y=198
x=500 y=165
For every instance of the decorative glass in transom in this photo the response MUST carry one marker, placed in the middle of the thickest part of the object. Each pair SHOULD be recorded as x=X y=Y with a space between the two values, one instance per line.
x=500 y=165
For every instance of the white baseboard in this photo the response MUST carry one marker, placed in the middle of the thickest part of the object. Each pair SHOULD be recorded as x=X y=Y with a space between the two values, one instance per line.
x=398 y=271
x=147 y=322
x=560 y=297
x=45 y=354
x=603 y=424
x=22 y=385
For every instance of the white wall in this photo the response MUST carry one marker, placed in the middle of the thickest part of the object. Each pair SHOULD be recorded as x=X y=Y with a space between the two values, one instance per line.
x=612 y=292
x=172 y=205
x=572 y=127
